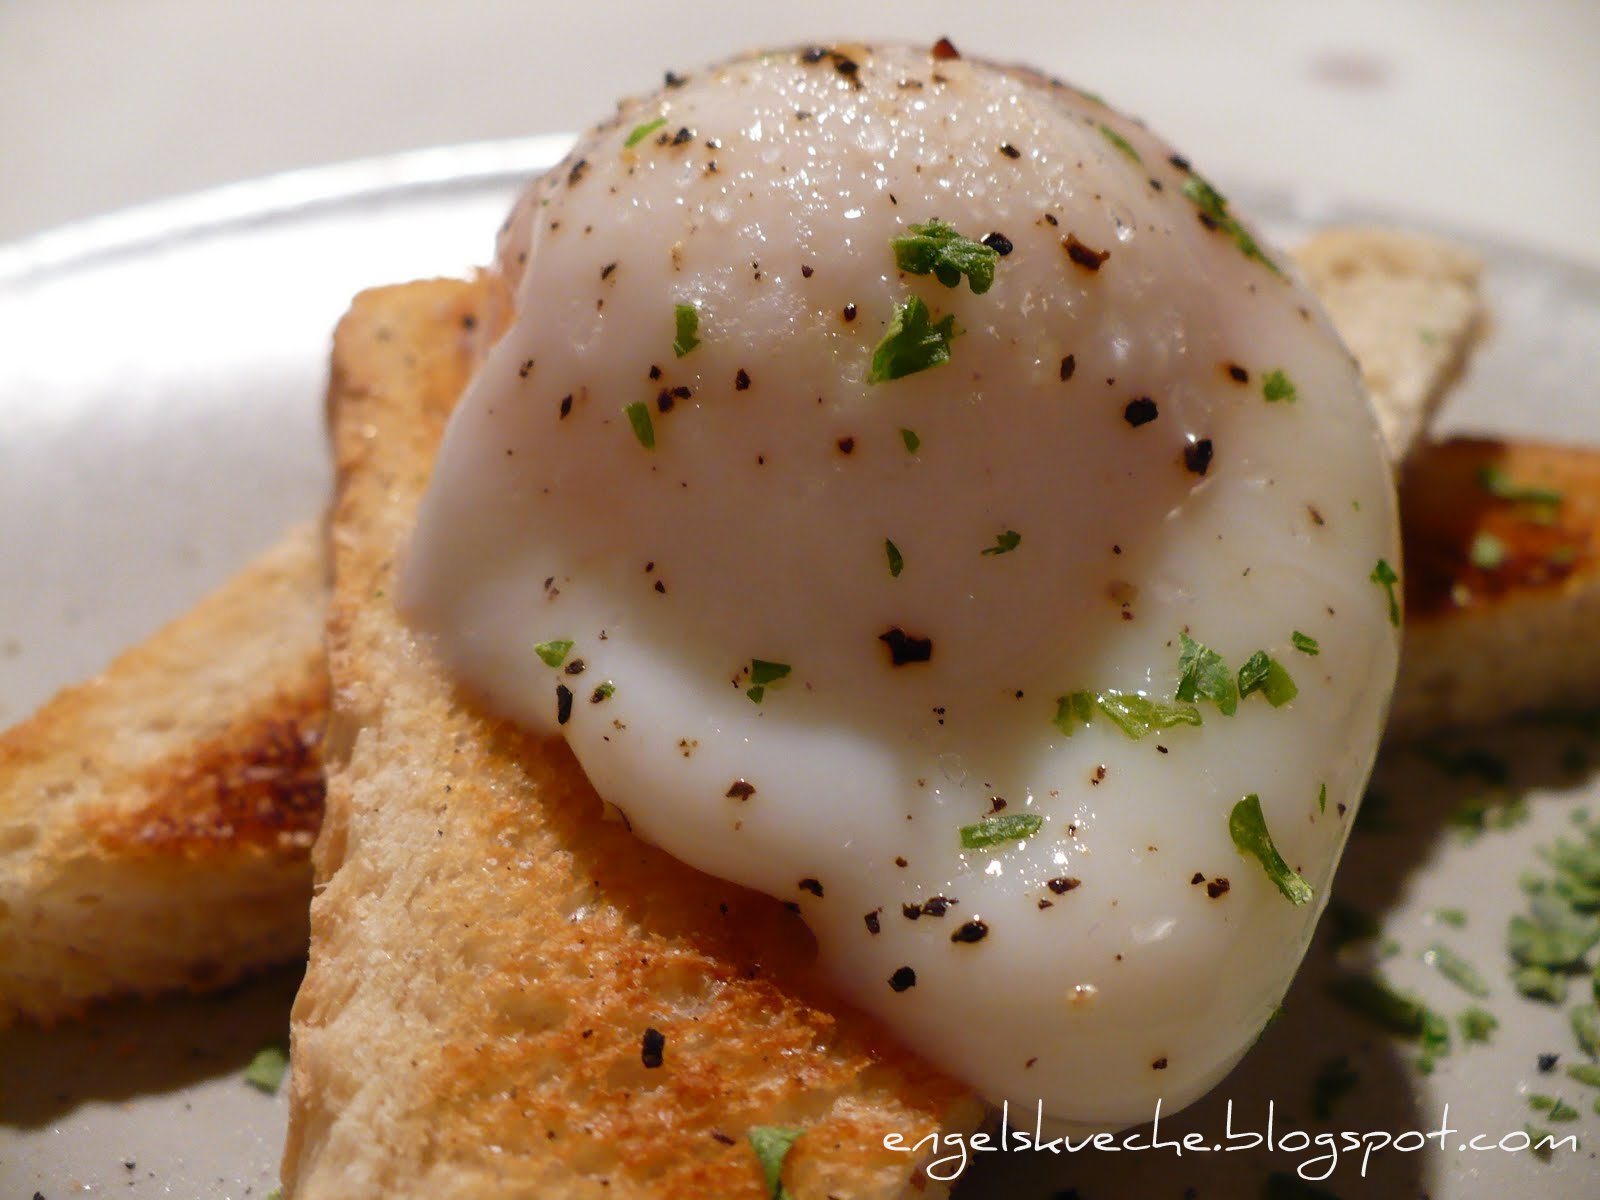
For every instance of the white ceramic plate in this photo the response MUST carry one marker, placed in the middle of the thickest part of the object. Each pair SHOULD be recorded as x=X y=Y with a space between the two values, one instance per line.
x=161 y=388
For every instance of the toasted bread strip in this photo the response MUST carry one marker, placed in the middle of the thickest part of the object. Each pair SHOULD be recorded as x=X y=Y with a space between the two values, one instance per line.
x=1407 y=306
x=489 y=953
x=155 y=821
x=1502 y=551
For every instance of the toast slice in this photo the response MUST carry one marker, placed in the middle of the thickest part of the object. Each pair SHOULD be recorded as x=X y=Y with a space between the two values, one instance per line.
x=508 y=994
x=1407 y=305
x=1502 y=551
x=156 y=820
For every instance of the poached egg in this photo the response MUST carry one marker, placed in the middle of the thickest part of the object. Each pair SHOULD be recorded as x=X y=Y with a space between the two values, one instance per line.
x=914 y=494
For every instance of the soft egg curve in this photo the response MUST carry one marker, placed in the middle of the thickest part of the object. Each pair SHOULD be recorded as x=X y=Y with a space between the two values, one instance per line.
x=866 y=643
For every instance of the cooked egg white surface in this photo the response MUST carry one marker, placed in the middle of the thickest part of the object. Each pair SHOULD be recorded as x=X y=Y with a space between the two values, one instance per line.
x=1095 y=470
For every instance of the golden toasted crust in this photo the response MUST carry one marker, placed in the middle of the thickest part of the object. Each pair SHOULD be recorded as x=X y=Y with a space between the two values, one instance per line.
x=1502 y=590
x=488 y=952
x=156 y=821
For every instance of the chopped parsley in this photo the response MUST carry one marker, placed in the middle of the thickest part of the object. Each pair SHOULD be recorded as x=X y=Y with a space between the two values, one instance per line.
x=1263 y=673
x=912 y=441
x=1202 y=675
x=604 y=692
x=686 y=324
x=1383 y=575
x=1322 y=799
x=1453 y=917
x=1333 y=1079
x=1373 y=998
x=554 y=653
x=1074 y=710
x=1004 y=543
x=1005 y=827
x=1501 y=486
x=912 y=343
x=640 y=132
x=896 y=562
x=1585 y=1022
x=1456 y=969
x=772 y=1144
x=1138 y=715
x=643 y=427
x=1213 y=210
x=266 y=1069
x=764 y=674
x=1305 y=644
x=1540 y=983
x=1487 y=552
x=1278 y=386
x=937 y=249
x=1554 y=937
x=1585 y=1073
x=1120 y=142
x=1248 y=827
x=1477 y=1024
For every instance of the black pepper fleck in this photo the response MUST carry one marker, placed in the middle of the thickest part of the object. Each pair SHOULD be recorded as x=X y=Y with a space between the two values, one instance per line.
x=566 y=404
x=655 y=371
x=522 y=371
x=902 y=979
x=651 y=1048
x=575 y=667
x=1062 y=884
x=972 y=931
x=846 y=445
x=741 y=380
x=850 y=311
x=605 y=271
x=1197 y=456
x=1140 y=411
x=1160 y=1064
x=1236 y=373
x=904 y=648
x=1217 y=887
x=999 y=243
x=872 y=922
x=674 y=80
x=1009 y=150
x=683 y=135
x=814 y=886
x=805 y=271
x=1086 y=257
x=1547 y=1063
x=1069 y=364
x=563 y=704
x=740 y=789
